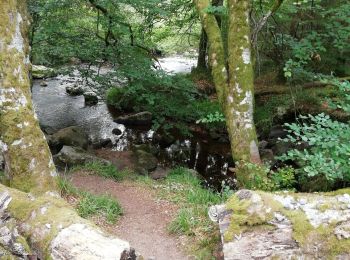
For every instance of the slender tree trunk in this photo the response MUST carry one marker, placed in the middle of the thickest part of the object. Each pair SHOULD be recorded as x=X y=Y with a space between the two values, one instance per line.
x=202 y=51
x=240 y=99
x=28 y=162
x=233 y=76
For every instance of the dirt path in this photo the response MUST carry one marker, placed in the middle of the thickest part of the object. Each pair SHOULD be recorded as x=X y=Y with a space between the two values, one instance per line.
x=145 y=220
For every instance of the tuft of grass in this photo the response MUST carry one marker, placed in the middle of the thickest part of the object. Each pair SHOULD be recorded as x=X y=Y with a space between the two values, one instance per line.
x=185 y=189
x=104 y=205
x=107 y=171
x=91 y=204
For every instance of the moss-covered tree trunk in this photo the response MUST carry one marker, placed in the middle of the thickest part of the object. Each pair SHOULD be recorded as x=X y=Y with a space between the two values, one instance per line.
x=28 y=162
x=240 y=97
x=233 y=76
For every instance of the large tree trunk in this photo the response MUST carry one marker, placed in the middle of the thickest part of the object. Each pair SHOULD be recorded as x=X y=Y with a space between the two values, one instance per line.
x=240 y=99
x=233 y=76
x=39 y=224
x=28 y=162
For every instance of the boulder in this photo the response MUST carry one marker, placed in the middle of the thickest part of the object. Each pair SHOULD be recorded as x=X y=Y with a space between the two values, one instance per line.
x=91 y=98
x=70 y=136
x=43 y=83
x=42 y=72
x=267 y=155
x=102 y=143
x=144 y=162
x=70 y=156
x=277 y=132
x=142 y=118
x=75 y=89
x=159 y=173
x=262 y=225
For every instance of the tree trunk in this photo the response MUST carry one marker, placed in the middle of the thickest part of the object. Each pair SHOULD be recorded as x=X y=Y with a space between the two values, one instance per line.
x=202 y=51
x=240 y=99
x=28 y=162
x=233 y=76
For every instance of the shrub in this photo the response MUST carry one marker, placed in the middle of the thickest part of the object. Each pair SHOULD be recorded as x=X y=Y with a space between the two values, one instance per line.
x=327 y=155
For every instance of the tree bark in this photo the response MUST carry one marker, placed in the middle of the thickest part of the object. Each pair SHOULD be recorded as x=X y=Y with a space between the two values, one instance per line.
x=202 y=51
x=28 y=161
x=233 y=76
x=240 y=99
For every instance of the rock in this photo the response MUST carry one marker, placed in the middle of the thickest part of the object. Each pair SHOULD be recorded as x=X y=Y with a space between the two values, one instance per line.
x=145 y=147
x=263 y=144
x=43 y=84
x=70 y=136
x=142 y=118
x=74 y=89
x=277 y=132
x=343 y=231
x=47 y=129
x=281 y=147
x=104 y=143
x=42 y=72
x=159 y=173
x=91 y=98
x=164 y=139
x=267 y=155
x=117 y=131
x=71 y=156
x=79 y=241
x=145 y=162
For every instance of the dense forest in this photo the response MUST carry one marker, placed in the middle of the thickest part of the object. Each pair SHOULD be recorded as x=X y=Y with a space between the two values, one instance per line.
x=152 y=120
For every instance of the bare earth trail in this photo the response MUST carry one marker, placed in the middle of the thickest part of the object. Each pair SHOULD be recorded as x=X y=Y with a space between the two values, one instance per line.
x=145 y=220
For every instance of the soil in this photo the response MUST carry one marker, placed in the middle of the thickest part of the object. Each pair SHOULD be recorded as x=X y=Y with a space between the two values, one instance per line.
x=145 y=220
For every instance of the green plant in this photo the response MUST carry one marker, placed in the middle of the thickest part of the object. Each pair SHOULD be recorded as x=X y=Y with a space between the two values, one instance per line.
x=283 y=178
x=104 y=170
x=328 y=149
x=103 y=205
x=184 y=223
x=90 y=204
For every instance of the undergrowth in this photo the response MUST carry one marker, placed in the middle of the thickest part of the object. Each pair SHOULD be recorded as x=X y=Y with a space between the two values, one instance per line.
x=185 y=189
x=107 y=171
x=90 y=204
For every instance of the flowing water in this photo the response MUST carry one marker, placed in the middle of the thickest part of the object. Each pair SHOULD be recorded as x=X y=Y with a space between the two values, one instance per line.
x=57 y=110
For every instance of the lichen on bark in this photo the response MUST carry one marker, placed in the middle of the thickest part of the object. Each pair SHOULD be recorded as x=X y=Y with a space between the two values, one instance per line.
x=20 y=135
x=233 y=75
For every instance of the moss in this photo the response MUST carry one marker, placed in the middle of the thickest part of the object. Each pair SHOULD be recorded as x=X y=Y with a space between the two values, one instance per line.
x=241 y=220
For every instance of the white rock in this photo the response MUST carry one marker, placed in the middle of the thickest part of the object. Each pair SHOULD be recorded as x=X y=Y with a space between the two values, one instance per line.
x=81 y=242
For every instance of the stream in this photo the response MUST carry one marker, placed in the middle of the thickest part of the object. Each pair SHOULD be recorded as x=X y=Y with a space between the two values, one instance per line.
x=57 y=110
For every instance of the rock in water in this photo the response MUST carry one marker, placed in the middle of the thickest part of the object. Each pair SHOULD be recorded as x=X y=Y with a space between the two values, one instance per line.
x=70 y=136
x=142 y=118
x=42 y=72
x=74 y=89
x=91 y=98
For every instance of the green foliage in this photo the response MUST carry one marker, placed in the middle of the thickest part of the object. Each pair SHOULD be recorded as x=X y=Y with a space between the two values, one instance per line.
x=212 y=118
x=260 y=177
x=307 y=37
x=107 y=171
x=90 y=204
x=104 y=205
x=327 y=155
x=173 y=100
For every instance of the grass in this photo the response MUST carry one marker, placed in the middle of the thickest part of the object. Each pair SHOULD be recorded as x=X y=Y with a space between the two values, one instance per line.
x=186 y=190
x=89 y=204
x=107 y=171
